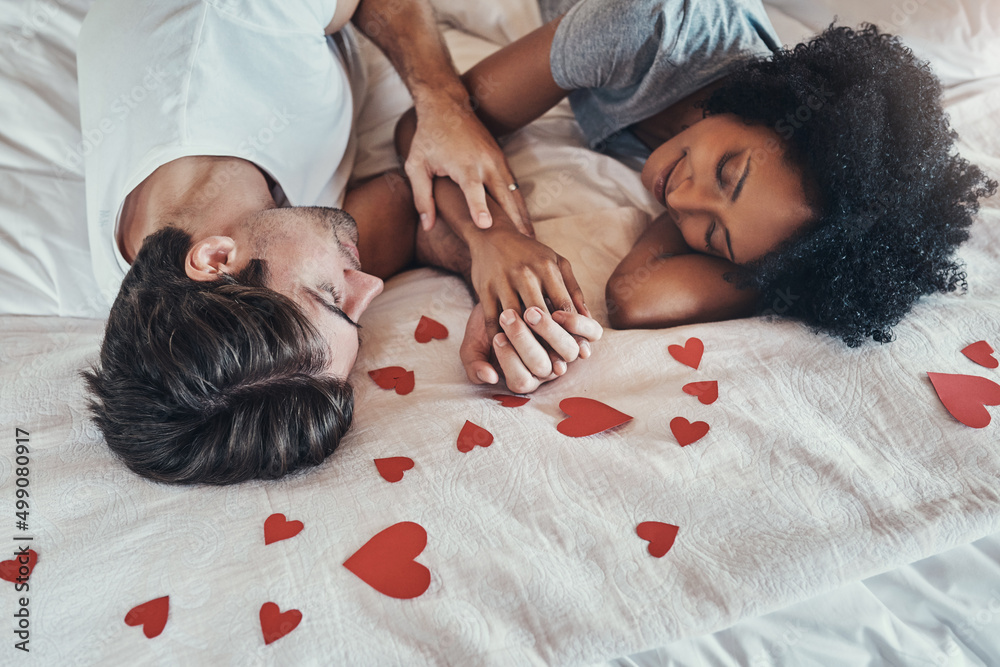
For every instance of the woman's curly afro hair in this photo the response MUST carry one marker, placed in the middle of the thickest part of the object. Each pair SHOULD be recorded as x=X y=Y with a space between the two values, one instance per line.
x=862 y=117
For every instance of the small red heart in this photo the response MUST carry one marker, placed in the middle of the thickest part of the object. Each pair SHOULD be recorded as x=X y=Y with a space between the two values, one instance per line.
x=472 y=436
x=707 y=391
x=509 y=401
x=392 y=469
x=981 y=353
x=689 y=354
x=659 y=535
x=686 y=432
x=276 y=528
x=386 y=561
x=394 y=376
x=275 y=624
x=10 y=570
x=965 y=397
x=428 y=329
x=152 y=616
x=587 y=417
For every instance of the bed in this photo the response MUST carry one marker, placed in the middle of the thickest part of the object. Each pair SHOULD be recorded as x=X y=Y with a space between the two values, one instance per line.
x=833 y=514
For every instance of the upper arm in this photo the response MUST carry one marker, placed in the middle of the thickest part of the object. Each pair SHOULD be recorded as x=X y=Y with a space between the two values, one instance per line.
x=662 y=283
x=514 y=86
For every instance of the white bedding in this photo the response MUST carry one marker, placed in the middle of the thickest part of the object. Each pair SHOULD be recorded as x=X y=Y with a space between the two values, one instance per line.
x=823 y=465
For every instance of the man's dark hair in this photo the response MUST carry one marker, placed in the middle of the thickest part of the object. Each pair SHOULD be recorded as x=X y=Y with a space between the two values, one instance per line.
x=862 y=116
x=212 y=382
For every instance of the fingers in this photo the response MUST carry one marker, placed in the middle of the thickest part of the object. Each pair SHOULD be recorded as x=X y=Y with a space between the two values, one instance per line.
x=573 y=287
x=512 y=202
x=579 y=325
x=533 y=355
x=475 y=197
x=519 y=379
x=475 y=352
x=422 y=185
x=558 y=339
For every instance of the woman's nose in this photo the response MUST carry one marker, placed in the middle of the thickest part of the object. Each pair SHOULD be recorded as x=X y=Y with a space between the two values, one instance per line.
x=363 y=287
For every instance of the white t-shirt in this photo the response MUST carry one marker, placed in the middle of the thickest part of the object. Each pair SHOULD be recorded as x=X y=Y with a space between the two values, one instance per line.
x=164 y=79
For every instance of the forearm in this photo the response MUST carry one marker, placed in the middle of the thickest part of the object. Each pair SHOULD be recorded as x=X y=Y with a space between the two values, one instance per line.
x=448 y=248
x=406 y=31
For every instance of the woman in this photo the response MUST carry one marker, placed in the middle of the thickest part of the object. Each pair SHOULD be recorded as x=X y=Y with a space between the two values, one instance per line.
x=823 y=174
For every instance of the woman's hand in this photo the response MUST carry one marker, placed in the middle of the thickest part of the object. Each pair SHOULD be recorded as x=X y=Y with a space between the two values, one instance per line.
x=511 y=271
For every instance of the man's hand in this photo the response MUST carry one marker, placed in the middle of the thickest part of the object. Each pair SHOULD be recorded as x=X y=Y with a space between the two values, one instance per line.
x=450 y=141
x=524 y=361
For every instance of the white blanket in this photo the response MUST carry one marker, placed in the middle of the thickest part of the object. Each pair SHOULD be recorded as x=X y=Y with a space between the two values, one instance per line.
x=823 y=465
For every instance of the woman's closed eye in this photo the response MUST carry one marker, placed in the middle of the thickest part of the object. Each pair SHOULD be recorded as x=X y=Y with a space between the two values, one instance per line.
x=720 y=169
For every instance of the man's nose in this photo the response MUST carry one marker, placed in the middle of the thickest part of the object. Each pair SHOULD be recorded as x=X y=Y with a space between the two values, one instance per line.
x=363 y=288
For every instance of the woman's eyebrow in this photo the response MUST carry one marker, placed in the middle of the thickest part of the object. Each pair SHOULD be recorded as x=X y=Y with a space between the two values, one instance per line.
x=739 y=188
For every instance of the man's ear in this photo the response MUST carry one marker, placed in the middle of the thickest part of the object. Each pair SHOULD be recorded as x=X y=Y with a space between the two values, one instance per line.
x=210 y=257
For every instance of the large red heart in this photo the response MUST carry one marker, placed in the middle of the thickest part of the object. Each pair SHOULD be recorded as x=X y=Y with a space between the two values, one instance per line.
x=981 y=353
x=689 y=354
x=394 y=376
x=686 y=432
x=276 y=528
x=392 y=469
x=386 y=561
x=706 y=391
x=275 y=624
x=587 y=417
x=659 y=535
x=152 y=616
x=965 y=397
x=10 y=570
x=428 y=329
x=509 y=401
x=472 y=436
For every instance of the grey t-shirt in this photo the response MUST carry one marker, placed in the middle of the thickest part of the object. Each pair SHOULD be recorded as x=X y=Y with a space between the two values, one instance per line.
x=626 y=60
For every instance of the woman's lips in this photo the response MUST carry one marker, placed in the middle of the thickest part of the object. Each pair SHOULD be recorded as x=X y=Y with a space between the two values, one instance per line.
x=660 y=186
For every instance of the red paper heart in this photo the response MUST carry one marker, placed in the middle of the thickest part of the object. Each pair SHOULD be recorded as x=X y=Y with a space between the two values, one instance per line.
x=392 y=469
x=981 y=353
x=707 y=391
x=152 y=616
x=689 y=354
x=275 y=624
x=428 y=329
x=659 y=535
x=10 y=570
x=587 y=417
x=686 y=432
x=509 y=401
x=386 y=561
x=276 y=528
x=472 y=436
x=394 y=376
x=965 y=397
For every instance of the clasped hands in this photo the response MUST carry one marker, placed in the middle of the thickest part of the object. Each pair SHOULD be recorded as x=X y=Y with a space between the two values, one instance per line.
x=533 y=346
x=515 y=277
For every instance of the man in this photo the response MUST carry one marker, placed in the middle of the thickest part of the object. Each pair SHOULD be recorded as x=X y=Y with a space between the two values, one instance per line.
x=221 y=138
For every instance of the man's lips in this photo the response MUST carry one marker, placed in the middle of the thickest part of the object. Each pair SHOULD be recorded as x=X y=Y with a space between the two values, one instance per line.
x=660 y=185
